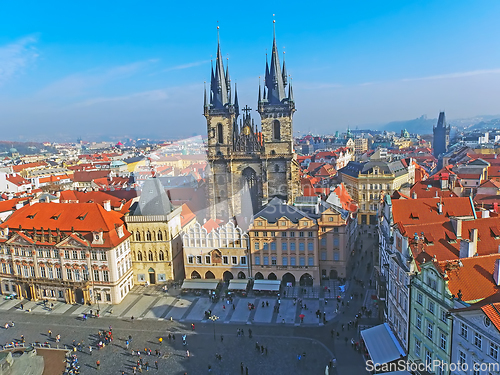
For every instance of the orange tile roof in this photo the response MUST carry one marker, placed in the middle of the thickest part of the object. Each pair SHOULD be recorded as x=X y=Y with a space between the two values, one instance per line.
x=492 y=311
x=10 y=205
x=83 y=218
x=429 y=188
x=20 y=167
x=88 y=176
x=212 y=224
x=17 y=180
x=74 y=196
x=345 y=199
x=474 y=278
x=424 y=210
x=186 y=215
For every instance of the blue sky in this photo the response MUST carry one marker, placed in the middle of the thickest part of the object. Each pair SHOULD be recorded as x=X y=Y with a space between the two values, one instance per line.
x=134 y=68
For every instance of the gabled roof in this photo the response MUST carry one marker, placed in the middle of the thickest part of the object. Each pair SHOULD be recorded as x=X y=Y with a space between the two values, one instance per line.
x=186 y=215
x=492 y=311
x=20 y=167
x=474 y=279
x=153 y=200
x=430 y=189
x=276 y=209
x=17 y=180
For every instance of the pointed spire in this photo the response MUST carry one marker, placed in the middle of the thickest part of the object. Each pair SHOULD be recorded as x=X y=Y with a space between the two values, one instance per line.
x=205 y=100
x=274 y=78
x=218 y=85
x=228 y=79
x=236 y=104
x=260 y=95
x=290 y=92
x=284 y=70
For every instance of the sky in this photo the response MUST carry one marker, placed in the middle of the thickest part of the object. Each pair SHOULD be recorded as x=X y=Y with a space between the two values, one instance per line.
x=137 y=69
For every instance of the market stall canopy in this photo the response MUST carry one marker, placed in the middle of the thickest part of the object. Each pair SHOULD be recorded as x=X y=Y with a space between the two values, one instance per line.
x=238 y=284
x=267 y=285
x=200 y=284
x=382 y=345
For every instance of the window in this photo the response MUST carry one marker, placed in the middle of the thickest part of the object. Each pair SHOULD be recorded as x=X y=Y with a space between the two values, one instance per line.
x=301 y=246
x=273 y=246
x=292 y=261
x=292 y=246
x=82 y=254
x=283 y=224
x=285 y=261
x=428 y=357
x=418 y=321
x=493 y=352
x=139 y=256
x=430 y=330
x=264 y=234
x=25 y=271
x=310 y=261
x=225 y=259
x=59 y=273
x=161 y=256
x=51 y=273
x=234 y=260
x=40 y=253
x=431 y=307
x=309 y=234
x=323 y=241
x=105 y=276
x=243 y=261
x=96 y=275
x=478 y=340
x=75 y=254
x=198 y=259
x=442 y=340
x=302 y=261
x=284 y=246
x=283 y=234
x=208 y=260
x=463 y=330
x=150 y=256
x=276 y=130
x=159 y=236
x=443 y=316
x=310 y=246
x=42 y=272
x=323 y=255
x=137 y=236
x=336 y=230
x=335 y=241
x=69 y=274
x=330 y=219
x=66 y=254
x=85 y=275
x=301 y=234
x=266 y=261
x=420 y=298
x=418 y=344
x=336 y=256
x=265 y=246
x=256 y=245
x=257 y=260
x=462 y=358
x=32 y=271
x=273 y=261
x=103 y=255
x=292 y=234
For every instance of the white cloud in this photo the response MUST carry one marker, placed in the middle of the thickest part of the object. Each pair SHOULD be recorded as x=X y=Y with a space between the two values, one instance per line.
x=455 y=75
x=15 y=57
x=186 y=66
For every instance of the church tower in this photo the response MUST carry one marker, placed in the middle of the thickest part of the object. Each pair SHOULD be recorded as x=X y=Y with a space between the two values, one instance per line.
x=276 y=109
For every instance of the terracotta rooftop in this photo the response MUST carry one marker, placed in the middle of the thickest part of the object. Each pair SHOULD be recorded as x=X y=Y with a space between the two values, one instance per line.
x=474 y=279
x=492 y=311
x=186 y=215
x=20 y=167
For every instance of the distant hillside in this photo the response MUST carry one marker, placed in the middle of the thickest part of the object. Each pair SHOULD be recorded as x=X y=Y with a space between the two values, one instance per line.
x=421 y=125
x=25 y=148
x=485 y=125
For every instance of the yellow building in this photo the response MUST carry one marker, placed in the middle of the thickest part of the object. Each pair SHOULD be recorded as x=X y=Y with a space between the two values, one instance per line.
x=284 y=245
x=360 y=145
x=156 y=242
x=368 y=182
x=213 y=252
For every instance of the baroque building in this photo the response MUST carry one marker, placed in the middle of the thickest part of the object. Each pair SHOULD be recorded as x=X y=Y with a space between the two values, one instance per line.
x=250 y=166
x=72 y=252
x=156 y=242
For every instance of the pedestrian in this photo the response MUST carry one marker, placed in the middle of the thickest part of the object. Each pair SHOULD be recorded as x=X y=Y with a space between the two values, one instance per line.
x=187 y=353
x=50 y=333
x=98 y=364
x=192 y=326
x=249 y=333
x=22 y=306
x=241 y=367
x=132 y=318
x=90 y=349
x=169 y=337
x=156 y=364
x=221 y=338
x=173 y=337
x=246 y=370
x=209 y=368
x=126 y=343
x=331 y=333
x=160 y=340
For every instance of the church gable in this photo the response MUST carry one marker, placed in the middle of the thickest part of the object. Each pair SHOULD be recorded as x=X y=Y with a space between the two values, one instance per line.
x=19 y=238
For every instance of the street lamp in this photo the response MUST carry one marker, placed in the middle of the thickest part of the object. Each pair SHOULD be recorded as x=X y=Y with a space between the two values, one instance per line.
x=214 y=318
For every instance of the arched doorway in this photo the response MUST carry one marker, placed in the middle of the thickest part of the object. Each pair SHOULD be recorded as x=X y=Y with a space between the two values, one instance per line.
x=195 y=275
x=227 y=276
x=288 y=279
x=306 y=280
x=209 y=275
x=241 y=275
x=334 y=274
x=152 y=276
x=272 y=276
x=259 y=276
x=250 y=183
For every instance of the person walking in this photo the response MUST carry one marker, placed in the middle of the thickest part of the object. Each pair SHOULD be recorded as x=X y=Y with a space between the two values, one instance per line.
x=241 y=368
x=127 y=343
x=90 y=349
x=156 y=364
x=246 y=370
x=187 y=353
x=160 y=340
x=98 y=364
x=50 y=333
x=249 y=333
x=221 y=338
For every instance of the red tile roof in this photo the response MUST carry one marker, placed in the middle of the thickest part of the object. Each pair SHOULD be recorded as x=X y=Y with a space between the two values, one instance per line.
x=186 y=215
x=429 y=188
x=20 y=167
x=10 y=205
x=492 y=311
x=474 y=279
x=117 y=200
x=212 y=224
x=17 y=179
x=83 y=218
x=88 y=176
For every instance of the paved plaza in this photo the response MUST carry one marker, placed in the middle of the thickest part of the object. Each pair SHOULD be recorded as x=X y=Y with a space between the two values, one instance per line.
x=281 y=333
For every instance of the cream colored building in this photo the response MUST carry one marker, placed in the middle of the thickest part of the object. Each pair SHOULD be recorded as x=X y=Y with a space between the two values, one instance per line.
x=156 y=242
x=71 y=252
x=368 y=182
x=360 y=145
x=212 y=252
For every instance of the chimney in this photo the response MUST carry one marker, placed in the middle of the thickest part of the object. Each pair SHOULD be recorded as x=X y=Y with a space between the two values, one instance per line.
x=107 y=205
x=414 y=195
x=485 y=214
x=457 y=226
x=440 y=208
x=496 y=272
x=468 y=248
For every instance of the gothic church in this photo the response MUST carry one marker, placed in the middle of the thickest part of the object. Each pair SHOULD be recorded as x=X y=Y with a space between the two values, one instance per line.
x=250 y=166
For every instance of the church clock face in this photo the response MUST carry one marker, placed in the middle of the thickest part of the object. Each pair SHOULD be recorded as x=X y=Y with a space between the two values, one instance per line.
x=246 y=130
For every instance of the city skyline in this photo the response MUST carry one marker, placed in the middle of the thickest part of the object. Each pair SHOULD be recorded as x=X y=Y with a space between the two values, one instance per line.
x=140 y=72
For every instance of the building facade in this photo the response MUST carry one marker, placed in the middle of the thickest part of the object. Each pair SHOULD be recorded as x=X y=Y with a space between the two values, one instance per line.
x=249 y=166
x=212 y=252
x=72 y=252
x=156 y=241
